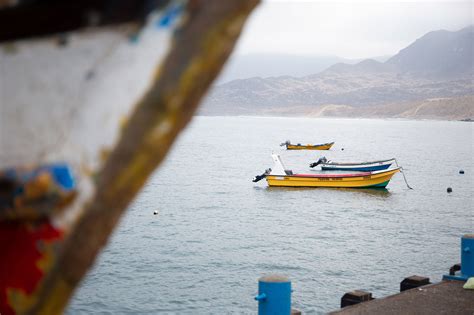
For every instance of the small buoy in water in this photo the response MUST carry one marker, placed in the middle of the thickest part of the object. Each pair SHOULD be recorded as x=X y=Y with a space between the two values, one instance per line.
x=461 y=172
x=155 y=212
x=449 y=189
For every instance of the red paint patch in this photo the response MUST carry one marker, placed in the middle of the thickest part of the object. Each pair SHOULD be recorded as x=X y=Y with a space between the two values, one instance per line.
x=20 y=253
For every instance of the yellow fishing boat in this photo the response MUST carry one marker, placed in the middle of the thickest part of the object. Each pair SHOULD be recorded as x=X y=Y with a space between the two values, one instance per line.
x=278 y=176
x=324 y=146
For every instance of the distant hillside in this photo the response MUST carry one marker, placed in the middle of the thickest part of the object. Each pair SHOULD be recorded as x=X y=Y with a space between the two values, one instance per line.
x=364 y=66
x=436 y=55
x=438 y=65
x=438 y=108
x=440 y=54
x=274 y=65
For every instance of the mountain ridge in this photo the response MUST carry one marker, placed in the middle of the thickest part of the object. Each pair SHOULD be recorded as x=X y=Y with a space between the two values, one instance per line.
x=437 y=65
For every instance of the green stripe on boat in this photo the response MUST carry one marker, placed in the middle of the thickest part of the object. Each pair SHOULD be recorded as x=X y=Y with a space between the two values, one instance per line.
x=381 y=185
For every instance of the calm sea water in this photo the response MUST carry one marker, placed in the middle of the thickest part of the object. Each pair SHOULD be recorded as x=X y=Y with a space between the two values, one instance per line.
x=217 y=232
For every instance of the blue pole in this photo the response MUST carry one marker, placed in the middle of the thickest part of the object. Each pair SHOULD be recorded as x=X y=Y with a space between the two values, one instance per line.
x=467 y=259
x=274 y=295
x=467 y=255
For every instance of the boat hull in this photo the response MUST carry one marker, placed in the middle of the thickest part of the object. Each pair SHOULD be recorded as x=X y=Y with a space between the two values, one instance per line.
x=361 y=180
x=325 y=146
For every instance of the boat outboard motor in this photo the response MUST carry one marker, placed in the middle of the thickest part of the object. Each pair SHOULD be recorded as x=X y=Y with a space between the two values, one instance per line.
x=321 y=160
x=260 y=177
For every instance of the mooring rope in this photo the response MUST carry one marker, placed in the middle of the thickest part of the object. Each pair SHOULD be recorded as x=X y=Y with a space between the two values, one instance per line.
x=403 y=173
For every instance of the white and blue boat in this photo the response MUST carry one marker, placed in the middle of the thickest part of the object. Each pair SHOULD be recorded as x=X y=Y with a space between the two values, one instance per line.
x=362 y=166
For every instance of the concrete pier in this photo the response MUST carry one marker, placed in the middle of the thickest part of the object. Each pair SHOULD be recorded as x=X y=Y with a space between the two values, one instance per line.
x=446 y=297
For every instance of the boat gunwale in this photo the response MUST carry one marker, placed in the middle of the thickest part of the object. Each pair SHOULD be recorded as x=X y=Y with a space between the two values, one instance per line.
x=355 y=164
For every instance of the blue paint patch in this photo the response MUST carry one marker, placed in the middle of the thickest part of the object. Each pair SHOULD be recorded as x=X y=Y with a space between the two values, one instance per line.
x=24 y=187
x=169 y=16
x=62 y=174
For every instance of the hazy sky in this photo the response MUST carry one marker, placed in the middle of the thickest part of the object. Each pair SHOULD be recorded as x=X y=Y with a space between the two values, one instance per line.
x=350 y=29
